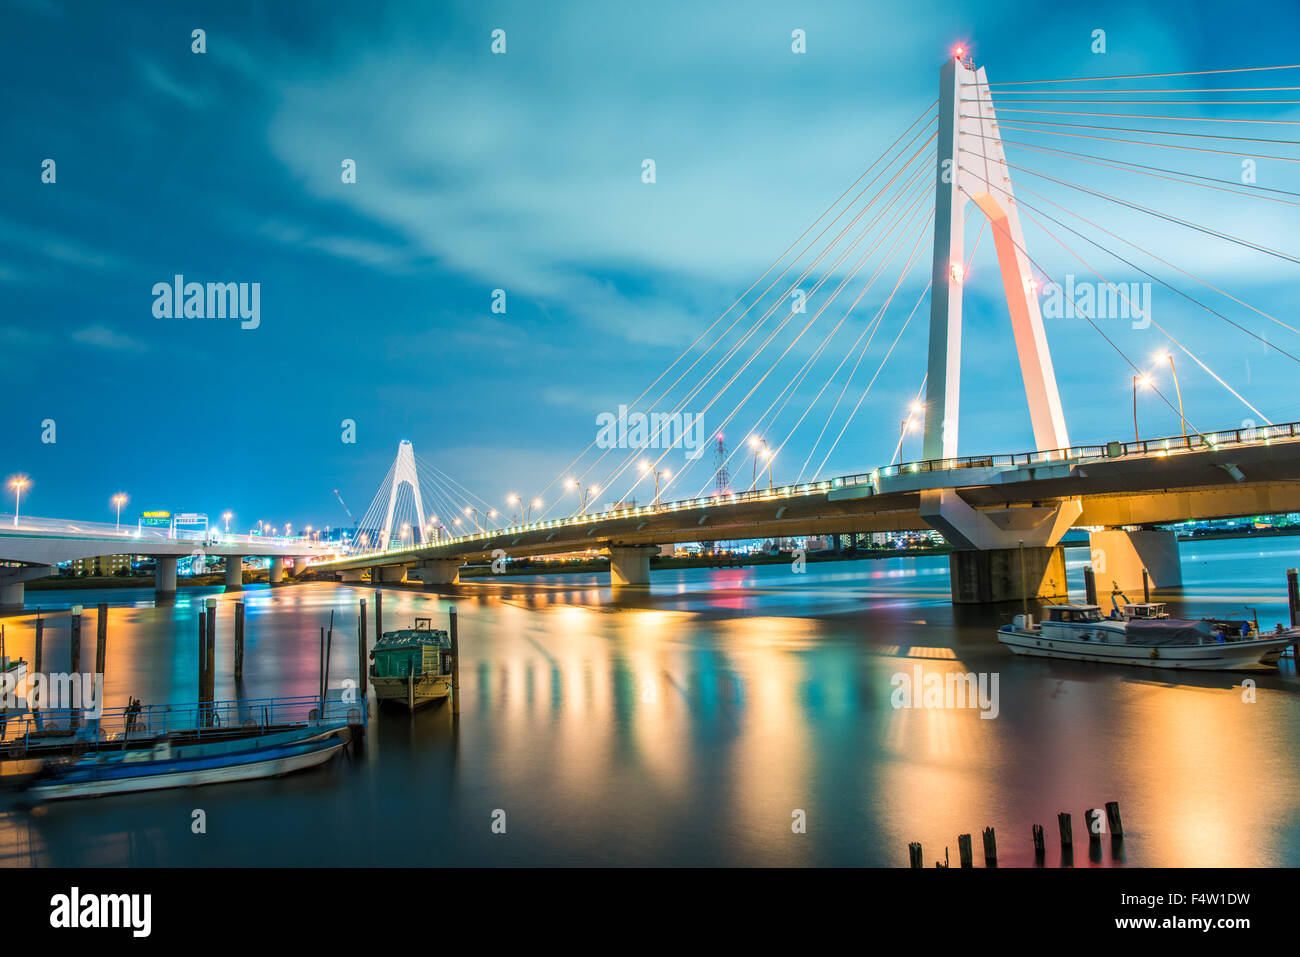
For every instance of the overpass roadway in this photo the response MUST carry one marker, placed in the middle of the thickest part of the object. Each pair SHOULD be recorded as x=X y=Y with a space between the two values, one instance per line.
x=32 y=547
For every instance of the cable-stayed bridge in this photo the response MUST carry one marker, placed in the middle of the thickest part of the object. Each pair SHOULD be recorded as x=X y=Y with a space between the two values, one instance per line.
x=1016 y=159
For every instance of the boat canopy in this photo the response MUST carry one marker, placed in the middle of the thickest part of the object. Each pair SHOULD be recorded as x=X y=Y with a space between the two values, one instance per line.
x=1172 y=631
x=408 y=651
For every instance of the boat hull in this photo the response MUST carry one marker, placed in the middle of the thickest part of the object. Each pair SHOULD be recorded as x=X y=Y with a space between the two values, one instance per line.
x=240 y=767
x=422 y=690
x=1229 y=656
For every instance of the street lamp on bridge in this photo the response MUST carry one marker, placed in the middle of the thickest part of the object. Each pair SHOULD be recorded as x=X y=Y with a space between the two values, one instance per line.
x=1144 y=381
x=658 y=473
x=760 y=448
x=584 y=495
x=119 y=500
x=1169 y=357
x=18 y=484
x=226 y=516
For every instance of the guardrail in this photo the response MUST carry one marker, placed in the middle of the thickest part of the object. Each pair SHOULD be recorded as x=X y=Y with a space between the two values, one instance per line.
x=131 y=535
x=30 y=732
x=1081 y=454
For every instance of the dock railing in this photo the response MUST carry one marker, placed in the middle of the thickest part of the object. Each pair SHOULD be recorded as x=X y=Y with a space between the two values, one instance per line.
x=30 y=732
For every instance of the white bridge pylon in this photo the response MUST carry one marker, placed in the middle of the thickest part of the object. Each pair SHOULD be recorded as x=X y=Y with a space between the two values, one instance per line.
x=403 y=473
x=972 y=166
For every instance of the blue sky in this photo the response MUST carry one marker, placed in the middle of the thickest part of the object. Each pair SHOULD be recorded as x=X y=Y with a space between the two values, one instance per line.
x=522 y=172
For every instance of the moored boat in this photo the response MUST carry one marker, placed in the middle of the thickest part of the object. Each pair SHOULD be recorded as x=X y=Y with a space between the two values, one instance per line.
x=412 y=666
x=1147 y=639
x=168 y=764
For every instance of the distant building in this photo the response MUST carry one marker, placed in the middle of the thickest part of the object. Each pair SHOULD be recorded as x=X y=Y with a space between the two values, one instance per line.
x=99 y=566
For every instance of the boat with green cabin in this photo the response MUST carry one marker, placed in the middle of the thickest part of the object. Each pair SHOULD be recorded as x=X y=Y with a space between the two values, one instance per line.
x=412 y=666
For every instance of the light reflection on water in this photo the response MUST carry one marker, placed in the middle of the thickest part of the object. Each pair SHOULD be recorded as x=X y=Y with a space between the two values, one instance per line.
x=686 y=726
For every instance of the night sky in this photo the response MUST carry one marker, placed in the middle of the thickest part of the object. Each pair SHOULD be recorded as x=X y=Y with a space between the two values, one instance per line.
x=522 y=171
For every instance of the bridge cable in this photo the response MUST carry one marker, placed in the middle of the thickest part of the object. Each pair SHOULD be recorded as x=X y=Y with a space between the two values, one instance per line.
x=805 y=273
x=1171 y=265
x=916 y=176
x=924 y=115
x=917 y=179
x=898 y=242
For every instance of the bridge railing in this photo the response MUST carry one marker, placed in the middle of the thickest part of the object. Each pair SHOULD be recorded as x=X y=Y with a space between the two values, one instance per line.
x=1078 y=454
x=134 y=535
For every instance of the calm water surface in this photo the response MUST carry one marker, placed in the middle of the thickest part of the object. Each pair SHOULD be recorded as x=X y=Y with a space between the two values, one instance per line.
x=688 y=725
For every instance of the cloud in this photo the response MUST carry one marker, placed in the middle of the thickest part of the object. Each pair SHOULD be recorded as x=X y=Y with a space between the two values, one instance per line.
x=162 y=82
x=102 y=337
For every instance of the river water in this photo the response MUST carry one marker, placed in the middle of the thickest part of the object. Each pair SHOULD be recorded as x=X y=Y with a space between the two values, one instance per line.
x=729 y=717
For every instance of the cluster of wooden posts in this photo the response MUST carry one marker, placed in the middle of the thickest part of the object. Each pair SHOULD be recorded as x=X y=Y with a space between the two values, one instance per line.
x=1095 y=830
x=74 y=634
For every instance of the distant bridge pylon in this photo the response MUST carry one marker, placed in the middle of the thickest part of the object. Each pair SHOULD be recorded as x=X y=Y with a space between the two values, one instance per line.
x=403 y=474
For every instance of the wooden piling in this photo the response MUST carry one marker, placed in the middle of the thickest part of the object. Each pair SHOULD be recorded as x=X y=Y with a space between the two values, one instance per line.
x=1040 y=844
x=964 y=851
x=239 y=640
x=1089 y=585
x=990 y=848
x=101 y=636
x=39 y=657
x=320 y=675
x=74 y=648
x=74 y=629
x=1092 y=817
x=363 y=678
x=1293 y=599
x=203 y=668
x=914 y=854
x=1067 y=833
x=379 y=614
x=325 y=676
x=455 y=660
x=210 y=666
x=1112 y=817
x=1146 y=586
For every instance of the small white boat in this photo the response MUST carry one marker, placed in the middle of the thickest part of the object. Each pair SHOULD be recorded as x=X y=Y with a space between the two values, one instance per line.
x=168 y=765
x=1143 y=635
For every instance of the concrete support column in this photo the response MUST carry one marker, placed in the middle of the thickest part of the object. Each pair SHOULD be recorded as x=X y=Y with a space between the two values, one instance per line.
x=300 y=565
x=234 y=572
x=1118 y=558
x=11 y=583
x=630 y=564
x=389 y=574
x=11 y=594
x=439 y=571
x=1007 y=575
x=350 y=574
x=277 y=570
x=164 y=576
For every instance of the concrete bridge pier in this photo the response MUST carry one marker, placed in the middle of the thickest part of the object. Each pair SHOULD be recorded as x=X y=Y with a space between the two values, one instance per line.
x=11 y=583
x=629 y=565
x=439 y=571
x=1118 y=558
x=1007 y=575
x=388 y=574
x=164 y=577
x=234 y=572
x=350 y=574
x=277 y=570
x=1002 y=554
